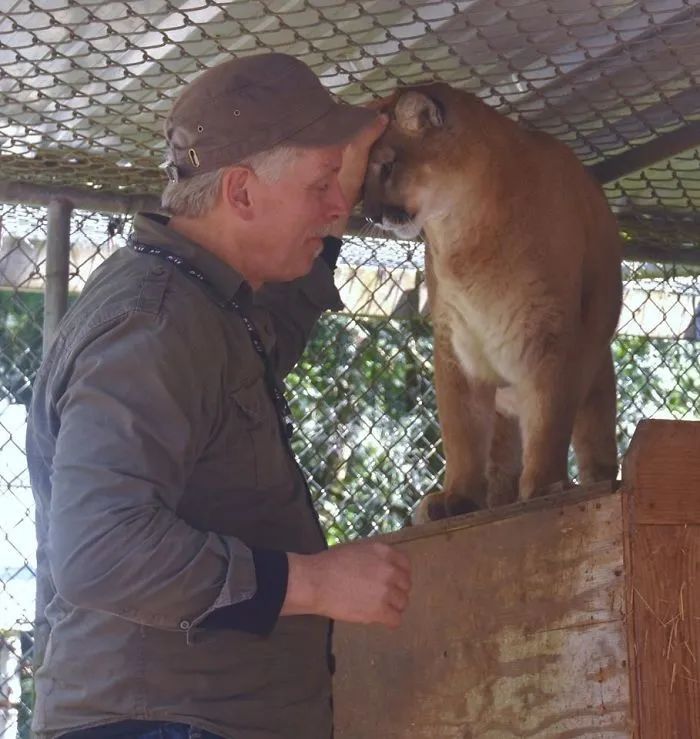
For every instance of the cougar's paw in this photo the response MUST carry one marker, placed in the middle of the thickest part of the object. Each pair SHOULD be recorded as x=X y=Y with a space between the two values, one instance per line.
x=436 y=506
x=554 y=488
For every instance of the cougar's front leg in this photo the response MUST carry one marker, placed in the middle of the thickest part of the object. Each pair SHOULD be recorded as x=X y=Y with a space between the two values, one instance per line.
x=466 y=411
x=548 y=403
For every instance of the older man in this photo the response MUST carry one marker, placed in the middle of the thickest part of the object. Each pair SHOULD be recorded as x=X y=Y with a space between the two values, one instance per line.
x=189 y=588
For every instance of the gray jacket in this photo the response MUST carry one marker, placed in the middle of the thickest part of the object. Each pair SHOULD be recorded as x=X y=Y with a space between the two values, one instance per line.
x=167 y=495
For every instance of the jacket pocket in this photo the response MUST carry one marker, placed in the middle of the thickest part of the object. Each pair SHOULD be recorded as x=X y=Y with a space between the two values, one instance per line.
x=253 y=412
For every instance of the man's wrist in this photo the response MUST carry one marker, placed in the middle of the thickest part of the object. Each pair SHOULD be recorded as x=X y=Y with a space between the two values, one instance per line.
x=302 y=585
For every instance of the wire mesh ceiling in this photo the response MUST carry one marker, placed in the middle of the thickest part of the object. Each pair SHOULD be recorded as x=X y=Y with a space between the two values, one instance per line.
x=87 y=84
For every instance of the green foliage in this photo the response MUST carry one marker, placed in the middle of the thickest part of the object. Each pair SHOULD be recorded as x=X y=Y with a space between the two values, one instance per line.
x=363 y=396
x=21 y=317
x=369 y=438
x=655 y=377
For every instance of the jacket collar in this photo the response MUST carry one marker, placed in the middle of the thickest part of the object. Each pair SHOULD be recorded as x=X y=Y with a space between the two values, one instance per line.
x=152 y=229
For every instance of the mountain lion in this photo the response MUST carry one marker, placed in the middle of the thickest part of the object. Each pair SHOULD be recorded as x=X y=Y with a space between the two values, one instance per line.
x=523 y=272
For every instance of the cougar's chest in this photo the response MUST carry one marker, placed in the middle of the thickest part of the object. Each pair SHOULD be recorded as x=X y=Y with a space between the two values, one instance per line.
x=475 y=316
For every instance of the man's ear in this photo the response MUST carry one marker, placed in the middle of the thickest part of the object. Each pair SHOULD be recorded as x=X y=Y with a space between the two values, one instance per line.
x=415 y=112
x=236 y=191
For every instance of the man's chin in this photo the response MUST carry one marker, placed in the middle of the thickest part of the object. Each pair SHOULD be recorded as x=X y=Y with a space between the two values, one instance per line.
x=315 y=245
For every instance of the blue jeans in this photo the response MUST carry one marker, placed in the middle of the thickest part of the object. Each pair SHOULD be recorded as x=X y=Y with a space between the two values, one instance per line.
x=142 y=730
x=175 y=731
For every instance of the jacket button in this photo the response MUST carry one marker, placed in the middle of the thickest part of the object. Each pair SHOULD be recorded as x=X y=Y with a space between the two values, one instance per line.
x=158 y=271
x=184 y=625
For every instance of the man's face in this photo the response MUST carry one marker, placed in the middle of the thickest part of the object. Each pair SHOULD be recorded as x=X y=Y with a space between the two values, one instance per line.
x=293 y=213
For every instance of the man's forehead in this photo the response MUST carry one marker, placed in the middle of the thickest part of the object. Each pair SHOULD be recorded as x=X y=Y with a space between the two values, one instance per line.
x=327 y=158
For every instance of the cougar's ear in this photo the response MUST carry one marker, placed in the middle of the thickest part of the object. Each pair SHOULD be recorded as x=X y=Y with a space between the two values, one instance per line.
x=414 y=112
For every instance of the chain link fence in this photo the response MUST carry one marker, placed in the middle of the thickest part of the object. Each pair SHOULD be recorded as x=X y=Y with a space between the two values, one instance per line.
x=85 y=86
x=363 y=394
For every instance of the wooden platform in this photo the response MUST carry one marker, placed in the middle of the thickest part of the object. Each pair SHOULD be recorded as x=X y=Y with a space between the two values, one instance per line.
x=571 y=616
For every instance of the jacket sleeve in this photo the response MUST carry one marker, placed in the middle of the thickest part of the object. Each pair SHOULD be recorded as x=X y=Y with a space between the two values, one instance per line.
x=133 y=414
x=294 y=307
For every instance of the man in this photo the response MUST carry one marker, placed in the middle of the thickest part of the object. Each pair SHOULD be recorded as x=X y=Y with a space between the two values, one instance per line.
x=189 y=589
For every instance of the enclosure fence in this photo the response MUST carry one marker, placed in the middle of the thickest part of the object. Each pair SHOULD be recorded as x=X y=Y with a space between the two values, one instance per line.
x=84 y=89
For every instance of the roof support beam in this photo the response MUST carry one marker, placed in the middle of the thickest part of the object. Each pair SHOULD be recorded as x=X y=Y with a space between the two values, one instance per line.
x=25 y=193
x=662 y=147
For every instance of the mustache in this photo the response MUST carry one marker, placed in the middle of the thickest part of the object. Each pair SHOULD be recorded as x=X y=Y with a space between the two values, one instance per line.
x=323 y=230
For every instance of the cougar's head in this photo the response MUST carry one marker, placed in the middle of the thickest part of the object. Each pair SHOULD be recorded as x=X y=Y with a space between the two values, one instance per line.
x=407 y=180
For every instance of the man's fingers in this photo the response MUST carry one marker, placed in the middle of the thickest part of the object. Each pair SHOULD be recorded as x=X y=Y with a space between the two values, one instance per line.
x=400 y=560
x=378 y=103
x=403 y=582
x=398 y=599
x=368 y=135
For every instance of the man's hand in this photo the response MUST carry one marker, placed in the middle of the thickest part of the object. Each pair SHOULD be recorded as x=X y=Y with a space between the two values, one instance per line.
x=354 y=166
x=361 y=583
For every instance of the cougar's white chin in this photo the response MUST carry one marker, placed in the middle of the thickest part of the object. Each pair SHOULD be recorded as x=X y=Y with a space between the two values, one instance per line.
x=407 y=230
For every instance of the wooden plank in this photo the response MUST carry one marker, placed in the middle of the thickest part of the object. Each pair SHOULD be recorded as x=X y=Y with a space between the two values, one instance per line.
x=515 y=628
x=665 y=594
x=574 y=495
x=661 y=497
x=662 y=468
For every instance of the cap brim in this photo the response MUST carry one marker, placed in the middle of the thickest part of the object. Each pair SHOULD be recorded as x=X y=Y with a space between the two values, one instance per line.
x=336 y=127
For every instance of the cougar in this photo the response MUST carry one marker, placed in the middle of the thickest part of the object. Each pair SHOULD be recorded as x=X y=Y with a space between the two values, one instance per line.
x=523 y=268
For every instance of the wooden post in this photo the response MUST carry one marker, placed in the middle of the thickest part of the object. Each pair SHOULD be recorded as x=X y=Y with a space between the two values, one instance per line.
x=661 y=474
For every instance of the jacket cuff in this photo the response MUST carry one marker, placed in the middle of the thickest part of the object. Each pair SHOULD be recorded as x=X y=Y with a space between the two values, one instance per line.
x=259 y=614
x=331 y=250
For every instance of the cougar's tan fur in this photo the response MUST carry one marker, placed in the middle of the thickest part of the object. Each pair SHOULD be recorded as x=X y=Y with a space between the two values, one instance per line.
x=523 y=273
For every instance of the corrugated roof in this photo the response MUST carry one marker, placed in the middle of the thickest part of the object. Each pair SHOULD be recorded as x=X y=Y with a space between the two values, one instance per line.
x=85 y=85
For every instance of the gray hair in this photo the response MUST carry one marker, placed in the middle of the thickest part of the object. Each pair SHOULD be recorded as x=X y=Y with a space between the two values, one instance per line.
x=196 y=196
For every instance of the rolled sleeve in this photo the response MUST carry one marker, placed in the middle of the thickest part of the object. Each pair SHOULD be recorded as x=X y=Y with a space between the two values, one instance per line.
x=126 y=445
x=259 y=614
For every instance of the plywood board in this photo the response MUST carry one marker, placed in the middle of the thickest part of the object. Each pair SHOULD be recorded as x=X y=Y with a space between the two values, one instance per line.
x=515 y=628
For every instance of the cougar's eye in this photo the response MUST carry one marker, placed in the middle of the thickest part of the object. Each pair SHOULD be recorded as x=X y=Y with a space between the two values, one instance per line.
x=386 y=170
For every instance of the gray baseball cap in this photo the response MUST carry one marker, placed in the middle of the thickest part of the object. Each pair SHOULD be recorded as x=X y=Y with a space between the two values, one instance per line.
x=247 y=105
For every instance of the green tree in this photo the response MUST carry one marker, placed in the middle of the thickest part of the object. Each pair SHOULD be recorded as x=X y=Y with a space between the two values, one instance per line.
x=21 y=317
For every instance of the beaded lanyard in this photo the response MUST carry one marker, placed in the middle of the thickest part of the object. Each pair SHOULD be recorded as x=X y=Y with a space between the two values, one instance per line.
x=284 y=413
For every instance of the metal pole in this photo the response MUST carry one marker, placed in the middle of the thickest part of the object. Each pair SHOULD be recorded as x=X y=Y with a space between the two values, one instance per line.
x=57 y=264
x=55 y=304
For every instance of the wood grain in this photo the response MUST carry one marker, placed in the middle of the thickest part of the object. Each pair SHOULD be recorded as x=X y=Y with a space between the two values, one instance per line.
x=662 y=525
x=666 y=618
x=662 y=467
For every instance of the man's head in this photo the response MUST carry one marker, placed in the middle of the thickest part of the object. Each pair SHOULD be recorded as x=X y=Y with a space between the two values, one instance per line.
x=250 y=105
x=259 y=141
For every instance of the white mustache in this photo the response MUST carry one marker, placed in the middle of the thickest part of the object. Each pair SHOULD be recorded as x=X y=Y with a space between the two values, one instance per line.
x=323 y=230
